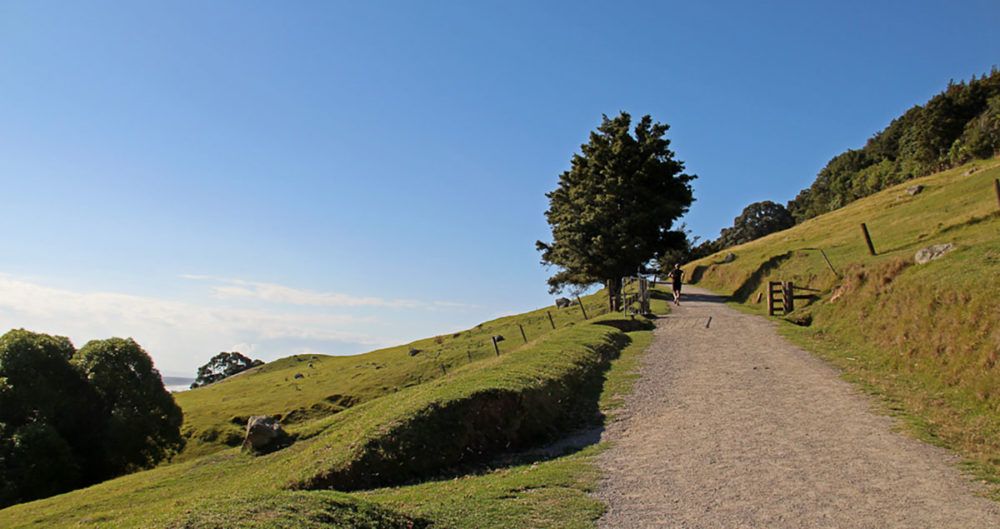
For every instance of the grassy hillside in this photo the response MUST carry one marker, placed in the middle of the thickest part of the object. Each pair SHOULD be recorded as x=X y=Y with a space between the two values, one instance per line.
x=446 y=425
x=925 y=337
x=215 y=416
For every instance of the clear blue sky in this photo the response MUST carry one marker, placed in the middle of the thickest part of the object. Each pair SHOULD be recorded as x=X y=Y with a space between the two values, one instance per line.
x=332 y=176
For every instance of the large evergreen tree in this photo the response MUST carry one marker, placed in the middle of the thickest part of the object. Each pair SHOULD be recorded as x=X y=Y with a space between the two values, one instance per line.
x=614 y=209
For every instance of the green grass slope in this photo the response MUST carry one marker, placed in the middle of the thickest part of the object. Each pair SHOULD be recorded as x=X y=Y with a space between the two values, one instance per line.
x=925 y=337
x=467 y=414
x=215 y=416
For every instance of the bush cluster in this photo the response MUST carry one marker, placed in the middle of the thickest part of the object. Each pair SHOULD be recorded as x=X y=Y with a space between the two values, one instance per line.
x=71 y=418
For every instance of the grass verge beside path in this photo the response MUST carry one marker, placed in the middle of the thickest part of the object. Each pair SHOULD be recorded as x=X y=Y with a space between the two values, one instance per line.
x=930 y=411
x=530 y=492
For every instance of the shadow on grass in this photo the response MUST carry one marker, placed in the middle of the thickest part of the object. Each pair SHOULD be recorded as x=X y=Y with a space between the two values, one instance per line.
x=698 y=273
x=753 y=282
x=659 y=294
x=624 y=325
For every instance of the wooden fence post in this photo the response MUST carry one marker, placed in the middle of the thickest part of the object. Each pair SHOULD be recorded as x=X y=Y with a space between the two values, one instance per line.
x=525 y=338
x=828 y=263
x=583 y=310
x=495 y=346
x=788 y=297
x=868 y=238
x=996 y=187
x=552 y=323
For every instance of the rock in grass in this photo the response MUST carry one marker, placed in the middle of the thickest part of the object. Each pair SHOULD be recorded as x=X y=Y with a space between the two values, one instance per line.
x=730 y=257
x=562 y=303
x=914 y=190
x=926 y=255
x=264 y=434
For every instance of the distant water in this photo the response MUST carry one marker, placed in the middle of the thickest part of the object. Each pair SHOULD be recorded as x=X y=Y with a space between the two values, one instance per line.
x=175 y=384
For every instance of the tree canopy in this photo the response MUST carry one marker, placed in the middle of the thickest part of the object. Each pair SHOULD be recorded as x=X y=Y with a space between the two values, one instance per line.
x=756 y=220
x=143 y=421
x=614 y=209
x=223 y=365
x=960 y=124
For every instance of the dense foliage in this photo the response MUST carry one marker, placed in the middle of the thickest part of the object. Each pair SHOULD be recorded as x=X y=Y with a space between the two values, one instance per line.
x=960 y=124
x=614 y=209
x=143 y=422
x=68 y=418
x=756 y=220
x=223 y=365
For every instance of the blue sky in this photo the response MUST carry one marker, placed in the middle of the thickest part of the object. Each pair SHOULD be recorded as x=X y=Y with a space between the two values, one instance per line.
x=336 y=176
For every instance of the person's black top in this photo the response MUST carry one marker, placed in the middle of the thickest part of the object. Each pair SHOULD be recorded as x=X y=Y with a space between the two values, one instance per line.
x=676 y=275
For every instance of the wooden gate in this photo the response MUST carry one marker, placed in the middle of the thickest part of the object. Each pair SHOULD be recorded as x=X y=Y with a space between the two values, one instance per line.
x=636 y=302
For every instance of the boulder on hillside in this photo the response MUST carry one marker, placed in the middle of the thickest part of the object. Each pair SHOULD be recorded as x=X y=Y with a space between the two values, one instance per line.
x=926 y=255
x=729 y=257
x=914 y=190
x=562 y=303
x=971 y=171
x=265 y=434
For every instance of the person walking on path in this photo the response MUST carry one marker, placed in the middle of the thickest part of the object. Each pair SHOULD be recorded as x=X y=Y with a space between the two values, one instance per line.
x=676 y=276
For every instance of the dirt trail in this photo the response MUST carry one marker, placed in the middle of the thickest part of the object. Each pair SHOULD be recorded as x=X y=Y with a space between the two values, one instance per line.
x=731 y=426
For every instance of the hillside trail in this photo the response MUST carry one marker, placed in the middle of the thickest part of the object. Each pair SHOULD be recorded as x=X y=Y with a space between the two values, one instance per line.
x=731 y=426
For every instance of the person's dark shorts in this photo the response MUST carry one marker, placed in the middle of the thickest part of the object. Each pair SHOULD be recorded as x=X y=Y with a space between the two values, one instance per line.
x=677 y=287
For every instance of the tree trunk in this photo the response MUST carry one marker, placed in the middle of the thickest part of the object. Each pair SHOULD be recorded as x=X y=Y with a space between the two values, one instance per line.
x=614 y=294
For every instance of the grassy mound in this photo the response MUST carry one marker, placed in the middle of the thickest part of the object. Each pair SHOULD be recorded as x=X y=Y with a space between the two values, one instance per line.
x=516 y=401
x=926 y=337
x=303 y=388
x=467 y=414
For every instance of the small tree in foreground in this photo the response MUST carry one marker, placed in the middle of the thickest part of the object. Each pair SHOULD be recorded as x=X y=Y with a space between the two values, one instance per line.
x=223 y=365
x=614 y=209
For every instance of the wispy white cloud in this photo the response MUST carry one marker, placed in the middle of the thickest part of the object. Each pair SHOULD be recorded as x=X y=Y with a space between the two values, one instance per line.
x=180 y=335
x=231 y=288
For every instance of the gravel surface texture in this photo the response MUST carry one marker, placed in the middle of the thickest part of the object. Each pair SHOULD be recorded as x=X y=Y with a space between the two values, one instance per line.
x=732 y=426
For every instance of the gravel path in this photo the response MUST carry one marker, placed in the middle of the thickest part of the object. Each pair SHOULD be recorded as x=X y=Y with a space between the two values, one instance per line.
x=731 y=426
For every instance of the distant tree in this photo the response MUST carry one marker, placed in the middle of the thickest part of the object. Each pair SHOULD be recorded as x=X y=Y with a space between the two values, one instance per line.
x=223 y=365
x=756 y=220
x=143 y=421
x=680 y=250
x=614 y=209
